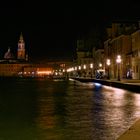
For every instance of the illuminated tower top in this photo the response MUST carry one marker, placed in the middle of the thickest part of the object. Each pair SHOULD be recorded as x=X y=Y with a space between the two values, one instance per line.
x=21 y=40
x=21 y=48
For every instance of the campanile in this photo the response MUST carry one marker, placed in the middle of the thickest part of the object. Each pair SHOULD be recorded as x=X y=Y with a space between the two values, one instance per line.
x=21 y=48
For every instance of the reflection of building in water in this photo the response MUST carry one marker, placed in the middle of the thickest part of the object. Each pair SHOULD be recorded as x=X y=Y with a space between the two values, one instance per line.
x=79 y=117
x=46 y=120
x=46 y=111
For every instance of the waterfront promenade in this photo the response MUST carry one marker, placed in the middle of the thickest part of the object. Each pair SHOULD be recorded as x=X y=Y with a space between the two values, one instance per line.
x=133 y=133
x=128 y=84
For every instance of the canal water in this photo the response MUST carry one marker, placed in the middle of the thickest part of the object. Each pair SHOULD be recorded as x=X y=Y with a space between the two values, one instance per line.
x=64 y=110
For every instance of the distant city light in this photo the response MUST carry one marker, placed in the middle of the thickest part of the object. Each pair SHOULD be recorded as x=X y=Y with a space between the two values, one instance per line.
x=91 y=65
x=44 y=72
x=108 y=62
x=118 y=60
x=75 y=68
x=84 y=66
x=100 y=65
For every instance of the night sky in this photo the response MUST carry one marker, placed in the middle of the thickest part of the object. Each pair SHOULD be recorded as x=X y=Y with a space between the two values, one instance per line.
x=50 y=29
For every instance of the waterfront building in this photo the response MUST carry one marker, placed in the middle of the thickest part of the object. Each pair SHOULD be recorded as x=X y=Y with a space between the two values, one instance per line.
x=84 y=59
x=12 y=65
x=99 y=63
x=119 y=42
x=136 y=54
x=11 y=68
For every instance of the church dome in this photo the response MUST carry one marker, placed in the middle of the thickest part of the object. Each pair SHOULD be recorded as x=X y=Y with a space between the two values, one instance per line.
x=8 y=54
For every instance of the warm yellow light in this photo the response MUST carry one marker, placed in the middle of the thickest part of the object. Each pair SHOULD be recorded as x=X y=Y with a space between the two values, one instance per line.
x=118 y=60
x=75 y=68
x=44 y=72
x=100 y=65
x=108 y=62
x=84 y=66
x=79 y=67
x=70 y=69
x=91 y=66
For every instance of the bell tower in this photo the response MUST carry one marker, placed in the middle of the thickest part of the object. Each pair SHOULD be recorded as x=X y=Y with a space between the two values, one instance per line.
x=21 y=48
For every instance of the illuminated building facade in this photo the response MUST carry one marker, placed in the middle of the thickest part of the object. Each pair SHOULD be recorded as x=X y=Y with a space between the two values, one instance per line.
x=10 y=65
x=20 y=66
x=123 y=39
x=11 y=68
x=21 y=48
x=136 y=54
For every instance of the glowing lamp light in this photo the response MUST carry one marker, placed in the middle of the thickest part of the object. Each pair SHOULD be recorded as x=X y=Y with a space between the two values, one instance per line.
x=100 y=65
x=79 y=67
x=44 y=72
x=91 y=66
x=70 y=69
x=108 y=62
x=84 y=66
x=118 y=60
x=75 y=68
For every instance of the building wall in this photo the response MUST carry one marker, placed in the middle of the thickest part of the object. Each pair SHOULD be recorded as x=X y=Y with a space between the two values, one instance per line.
x=126 y=55
x=10 y=69
x=99 y=57
x=136 y=54
x=120 y=45
x=107 y=49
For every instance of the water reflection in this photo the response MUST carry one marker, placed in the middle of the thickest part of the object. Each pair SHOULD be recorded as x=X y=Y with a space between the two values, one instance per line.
x=60 y=110
x=51 y=110
x=79 y=113
x=82 y=111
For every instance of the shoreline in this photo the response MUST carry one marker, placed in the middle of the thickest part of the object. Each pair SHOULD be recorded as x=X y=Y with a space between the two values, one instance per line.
x=131 y=85
x=133 y=133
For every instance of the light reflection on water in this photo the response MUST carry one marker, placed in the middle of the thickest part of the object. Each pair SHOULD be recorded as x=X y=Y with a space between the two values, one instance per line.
x=58 y=110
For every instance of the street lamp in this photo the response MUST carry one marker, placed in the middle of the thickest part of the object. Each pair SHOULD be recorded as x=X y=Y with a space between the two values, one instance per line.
x=91 y=66
x=100 y=65
x=118 y=60
x=84 y=66
x=108 y=64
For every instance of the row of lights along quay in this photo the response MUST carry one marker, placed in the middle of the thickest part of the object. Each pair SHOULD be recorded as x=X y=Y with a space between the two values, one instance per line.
x=79 y=71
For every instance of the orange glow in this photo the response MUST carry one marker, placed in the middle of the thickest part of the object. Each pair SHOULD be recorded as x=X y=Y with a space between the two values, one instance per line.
x=44 y=72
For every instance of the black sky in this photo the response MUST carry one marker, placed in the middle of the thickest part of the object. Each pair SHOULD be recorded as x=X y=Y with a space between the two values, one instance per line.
x=51 y=28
